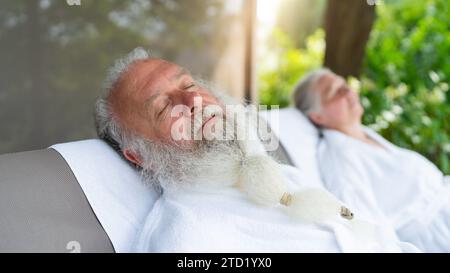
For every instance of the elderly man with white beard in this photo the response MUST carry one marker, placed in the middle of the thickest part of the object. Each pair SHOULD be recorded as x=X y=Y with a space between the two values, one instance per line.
x=378 y=179
x=219 y=194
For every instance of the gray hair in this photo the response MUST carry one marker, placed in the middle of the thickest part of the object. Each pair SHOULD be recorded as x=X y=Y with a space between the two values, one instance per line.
x=108 y=128
x=304 y=98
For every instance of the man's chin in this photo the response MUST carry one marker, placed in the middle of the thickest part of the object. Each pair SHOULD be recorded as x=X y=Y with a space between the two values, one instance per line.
x=194 y=145
x=184 y=144
x=191 y=145
x=213 y=129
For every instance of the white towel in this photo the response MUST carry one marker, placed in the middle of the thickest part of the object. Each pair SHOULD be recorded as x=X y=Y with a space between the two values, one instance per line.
x=447 y=180
x=114 y=190
x=225 y=221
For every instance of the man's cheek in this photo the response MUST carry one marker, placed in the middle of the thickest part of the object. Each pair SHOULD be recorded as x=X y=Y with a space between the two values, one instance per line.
x=209 y=100
x=180 y=129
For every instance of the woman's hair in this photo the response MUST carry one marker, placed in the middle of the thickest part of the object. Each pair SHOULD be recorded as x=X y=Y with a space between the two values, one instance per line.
x=305 y=99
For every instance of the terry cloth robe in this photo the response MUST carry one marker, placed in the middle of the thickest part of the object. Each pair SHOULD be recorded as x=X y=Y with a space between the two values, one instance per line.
x=223 y=220
x=391 y=184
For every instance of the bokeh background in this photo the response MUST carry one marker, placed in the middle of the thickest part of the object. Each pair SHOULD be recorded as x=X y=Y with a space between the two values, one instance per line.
x=53 y=58
x=402 y=74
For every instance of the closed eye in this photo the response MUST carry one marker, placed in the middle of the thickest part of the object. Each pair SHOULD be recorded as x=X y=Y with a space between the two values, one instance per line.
x=341 y=92
x=162 y=110
x=189 y=86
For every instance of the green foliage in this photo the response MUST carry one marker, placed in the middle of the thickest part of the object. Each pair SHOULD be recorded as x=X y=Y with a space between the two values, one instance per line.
x=405 y=87
x=285 y=64
x=405 y=84
x=300 y=18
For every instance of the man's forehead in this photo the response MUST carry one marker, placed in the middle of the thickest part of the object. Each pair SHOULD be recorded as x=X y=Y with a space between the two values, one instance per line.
x=148 y=76
x=154 y=69
x=143 y=77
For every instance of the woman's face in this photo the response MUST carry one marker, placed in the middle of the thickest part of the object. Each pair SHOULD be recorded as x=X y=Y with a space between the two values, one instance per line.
x=340 y=106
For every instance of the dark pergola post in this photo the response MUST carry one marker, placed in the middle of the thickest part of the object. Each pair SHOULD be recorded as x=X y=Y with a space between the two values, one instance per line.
x=347 y=25
x=249 y=77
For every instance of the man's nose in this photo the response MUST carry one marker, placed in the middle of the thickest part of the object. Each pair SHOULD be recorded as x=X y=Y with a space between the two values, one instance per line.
x=192 y=100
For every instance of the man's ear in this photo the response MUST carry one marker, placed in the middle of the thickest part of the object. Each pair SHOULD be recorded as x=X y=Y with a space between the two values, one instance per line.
x=316 y=118
x=132 y=157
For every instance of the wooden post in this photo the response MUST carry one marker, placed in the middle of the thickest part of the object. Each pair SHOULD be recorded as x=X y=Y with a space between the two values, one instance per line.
x=347 y=25
x=235 y=71
x=250 y=93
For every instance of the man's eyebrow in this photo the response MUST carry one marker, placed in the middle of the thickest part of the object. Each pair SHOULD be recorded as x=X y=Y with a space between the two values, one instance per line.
x=150 y=100
x=181 y=72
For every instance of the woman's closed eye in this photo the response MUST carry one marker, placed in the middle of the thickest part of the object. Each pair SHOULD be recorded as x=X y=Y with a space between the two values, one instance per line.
x=342 y=91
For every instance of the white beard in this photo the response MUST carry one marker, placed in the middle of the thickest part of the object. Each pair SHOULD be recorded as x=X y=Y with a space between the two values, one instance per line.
x=209 y=164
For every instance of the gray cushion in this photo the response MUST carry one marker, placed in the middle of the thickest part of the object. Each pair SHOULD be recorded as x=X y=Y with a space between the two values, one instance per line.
x=281 y=155
x=43 y=208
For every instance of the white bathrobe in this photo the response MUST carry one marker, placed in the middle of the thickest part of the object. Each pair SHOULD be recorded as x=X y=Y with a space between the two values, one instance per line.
x=393 y=185
x=223 y=220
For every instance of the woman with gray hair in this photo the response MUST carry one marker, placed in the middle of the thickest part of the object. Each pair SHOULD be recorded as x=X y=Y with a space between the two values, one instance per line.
x=368 y=172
